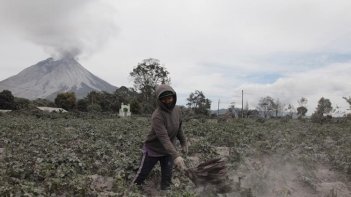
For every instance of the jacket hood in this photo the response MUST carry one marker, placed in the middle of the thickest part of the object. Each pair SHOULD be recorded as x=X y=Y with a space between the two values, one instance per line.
x=163 y=88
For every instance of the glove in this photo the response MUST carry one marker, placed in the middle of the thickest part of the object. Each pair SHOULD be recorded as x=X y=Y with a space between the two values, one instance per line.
x=179 y=162
x=185 y=149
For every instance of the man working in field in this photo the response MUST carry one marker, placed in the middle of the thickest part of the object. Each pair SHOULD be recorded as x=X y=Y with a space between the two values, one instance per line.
x=159 y=144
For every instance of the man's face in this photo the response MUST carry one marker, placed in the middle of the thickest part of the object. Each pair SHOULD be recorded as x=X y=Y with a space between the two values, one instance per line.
x=167 y=99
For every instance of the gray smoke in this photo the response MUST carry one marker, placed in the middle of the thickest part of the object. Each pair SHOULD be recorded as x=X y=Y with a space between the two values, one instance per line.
x=64 y=28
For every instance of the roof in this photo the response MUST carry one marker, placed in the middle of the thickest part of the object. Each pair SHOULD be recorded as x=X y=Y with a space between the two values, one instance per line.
x=51 y=109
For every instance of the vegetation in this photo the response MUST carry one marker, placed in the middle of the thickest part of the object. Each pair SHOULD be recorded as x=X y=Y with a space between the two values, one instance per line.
x=66 y=100
x=7 y=100
x=277 y=107
x=324 y=108
x=265 y=105
x=84 y=154
x=146 y=76
x=21 y=103
x=40 y=102
x=348 y=100
x=198 y=103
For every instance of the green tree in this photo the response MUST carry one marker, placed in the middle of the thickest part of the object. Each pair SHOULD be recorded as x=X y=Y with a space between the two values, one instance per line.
x=66 y=100
x=199 y=103
x=82 y=105
x=146 y=76
x=135 y=106
x=188 y=113
x=7 y=100
x=348 y=100
x=40 y=102
x=290 y=109
x=324 y=107
x=245 y=111
x=94 y=108
x=302 y=109
x=21 y=103
x=277 y=107
x=302 y=102
x=93 y=97
x=108 y=102
x=125 y=94
x=265 y=105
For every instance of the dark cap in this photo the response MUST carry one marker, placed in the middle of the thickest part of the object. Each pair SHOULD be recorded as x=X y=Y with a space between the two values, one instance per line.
x=166 y=93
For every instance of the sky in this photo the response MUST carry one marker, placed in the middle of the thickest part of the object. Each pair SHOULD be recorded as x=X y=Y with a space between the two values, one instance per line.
x=282 y=49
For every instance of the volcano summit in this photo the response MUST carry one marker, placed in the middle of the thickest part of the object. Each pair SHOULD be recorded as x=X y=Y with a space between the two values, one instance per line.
x=49 y=77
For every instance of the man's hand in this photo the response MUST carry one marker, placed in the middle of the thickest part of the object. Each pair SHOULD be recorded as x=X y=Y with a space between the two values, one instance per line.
x=179 y=162
x=185 y=149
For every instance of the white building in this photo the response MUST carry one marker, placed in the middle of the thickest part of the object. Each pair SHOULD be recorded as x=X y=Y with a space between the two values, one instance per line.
x=51 y=109
x=125 y=110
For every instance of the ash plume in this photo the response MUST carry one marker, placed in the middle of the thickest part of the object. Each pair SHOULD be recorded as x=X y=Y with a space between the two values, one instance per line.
x=65 y=28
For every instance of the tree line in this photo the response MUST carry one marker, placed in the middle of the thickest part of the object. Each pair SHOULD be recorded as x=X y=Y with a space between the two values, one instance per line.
x=146 y=76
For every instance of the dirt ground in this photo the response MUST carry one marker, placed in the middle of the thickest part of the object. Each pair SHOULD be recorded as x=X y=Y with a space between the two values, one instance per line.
x=268 y=176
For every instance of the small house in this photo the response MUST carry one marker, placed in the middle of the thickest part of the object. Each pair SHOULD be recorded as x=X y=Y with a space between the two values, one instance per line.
x=51 y=109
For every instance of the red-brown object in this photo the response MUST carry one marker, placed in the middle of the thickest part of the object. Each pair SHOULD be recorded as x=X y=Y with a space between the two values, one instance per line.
x=210 y=172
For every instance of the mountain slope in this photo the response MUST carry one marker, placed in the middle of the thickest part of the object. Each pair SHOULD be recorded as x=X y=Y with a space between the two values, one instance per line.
x=48 y=78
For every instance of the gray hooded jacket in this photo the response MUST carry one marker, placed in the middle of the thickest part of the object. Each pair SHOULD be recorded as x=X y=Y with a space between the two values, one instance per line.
x=166 y=126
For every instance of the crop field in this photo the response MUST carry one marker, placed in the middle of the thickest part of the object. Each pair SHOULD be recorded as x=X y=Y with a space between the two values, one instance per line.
x=77 y=154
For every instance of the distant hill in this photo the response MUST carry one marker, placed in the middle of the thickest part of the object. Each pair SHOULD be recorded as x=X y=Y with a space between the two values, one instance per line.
x=238 y=110
x=221 y=111
x=49 y=77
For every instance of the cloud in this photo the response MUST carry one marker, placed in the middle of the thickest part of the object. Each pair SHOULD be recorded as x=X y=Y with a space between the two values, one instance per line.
x=63 y=28
x=331 y=81
x=285 y=50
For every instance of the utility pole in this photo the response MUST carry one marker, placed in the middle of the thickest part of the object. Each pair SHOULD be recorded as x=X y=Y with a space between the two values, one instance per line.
x=219 y=100
x=242 y=103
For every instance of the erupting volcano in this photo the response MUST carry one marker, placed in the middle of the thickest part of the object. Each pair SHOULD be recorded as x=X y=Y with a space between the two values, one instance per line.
x=49 y=77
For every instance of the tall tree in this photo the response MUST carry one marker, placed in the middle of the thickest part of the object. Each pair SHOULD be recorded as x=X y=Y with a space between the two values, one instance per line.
x=7 y=100
x=82 y=105
x=277 y=107
x=40 y=102
x=135 y=106
x=302 y=102
x=324 y=106
x=302 y=109
x=105 y=100
x=265 y=105
x=125 y=95
x=21 y=103
x=290 y=109
x=199 y=103
x=146 y=76
x=245 y=110
x=66 y=100
x=348 y=100
x=109 y=102
x=93 y=97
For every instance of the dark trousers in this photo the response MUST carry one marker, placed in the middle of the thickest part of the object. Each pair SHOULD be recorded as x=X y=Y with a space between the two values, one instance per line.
x=147 y=163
